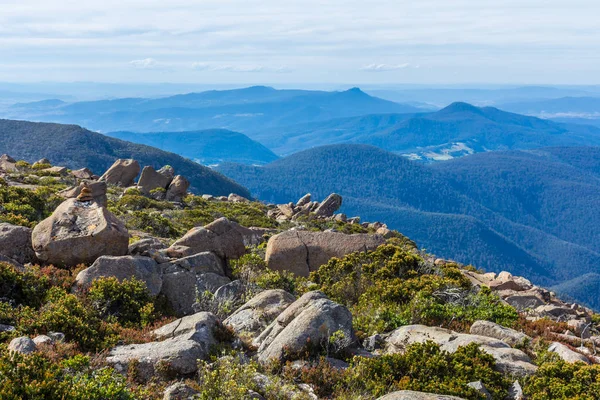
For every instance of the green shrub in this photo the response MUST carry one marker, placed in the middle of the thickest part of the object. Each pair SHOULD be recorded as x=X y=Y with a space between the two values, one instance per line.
x=127 y=302
x=22 y=288
x=560 y=380
x=27 y=207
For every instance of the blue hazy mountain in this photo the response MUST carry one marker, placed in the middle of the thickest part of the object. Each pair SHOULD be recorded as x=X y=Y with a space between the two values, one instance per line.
x=581 y=110
x=244 y=110
x=456 y=130
x=207 y=147
x=74 y=147
x=531 y=213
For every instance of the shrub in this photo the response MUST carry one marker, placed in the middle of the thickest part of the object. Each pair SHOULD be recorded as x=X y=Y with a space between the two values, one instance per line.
x=127 y=302
x=21 y=288
x=560 y=380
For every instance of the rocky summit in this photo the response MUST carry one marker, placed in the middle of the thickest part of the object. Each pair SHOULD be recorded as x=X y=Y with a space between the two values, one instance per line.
x=117 y=288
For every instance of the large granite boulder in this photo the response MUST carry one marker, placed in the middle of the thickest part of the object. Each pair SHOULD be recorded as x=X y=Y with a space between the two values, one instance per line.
x=15 y=243
x=306 y=325
x=152 y=179
x=79 y=233
x=329 y=206
x=490 y=329
x=121 y=173
x=188 y=341
x=412 y=395
x=7 y=163
x=568 y=355
x=178 y=188
x=221 y=237
x=302 y=252
x=508 y=360
x=179 y=288
x=144 y=269
x=260 y=311
x=23 y=345
x=199 y=263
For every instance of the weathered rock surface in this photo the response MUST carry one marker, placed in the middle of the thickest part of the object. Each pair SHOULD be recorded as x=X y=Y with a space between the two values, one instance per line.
x=125 y=267
x=143 y=246
x=508 y=360
x=567 y=354
x=304 y=200
x=83 y=173
x=260 y=311
x=79 y=233
x=178 y=188
x=201 y=324
x=507 y=335
x=7 y=163
x=15 y=243
x=329 y=206
x=179 y=391
x=178 y=354
x=152 y=179
x=200 y=263
x=210 y=282
x=23 y=345
x=43 y=340
x=121 y=173
x=309 y=321
x=98 y=192
x=179 y=287
x=221 y=237
x=412 y=395
x=301 y=252
x=236 y=198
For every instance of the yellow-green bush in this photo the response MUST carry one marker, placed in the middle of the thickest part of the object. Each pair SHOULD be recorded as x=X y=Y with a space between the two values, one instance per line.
x=559 y=380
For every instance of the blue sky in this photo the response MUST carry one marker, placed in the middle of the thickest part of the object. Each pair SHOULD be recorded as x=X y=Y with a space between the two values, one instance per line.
x=276 y=41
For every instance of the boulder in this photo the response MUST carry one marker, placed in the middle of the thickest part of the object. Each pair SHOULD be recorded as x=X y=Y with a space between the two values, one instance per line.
x=56 y=170
x=41 y=161
x=179 y=391
x=222 y=237
x=144 y=269
x=7 y=163
x=79 y=233
x=515 y=392
x=98 y=190
x=179 y=287
x=178 y=188
x=305 y=325
x=233 y=292
x=236 y=198
x=567 y=354
x=304 y=200
x=179 y=354
x=200 y=263
x=507 y=335
x=524 y=300
x=253 y=236
x=143 y=246
x=329 y=206
x=260 y=311
x=43 y=340
x=412 y=395
x=210 y=282
x=508 y=360
x=555 y=312
x=121 y=173
x=480 y=387
x=15 y=243
x=167 y=171
x=152 y=179
x=23 y=345
x=83 y=173
x=301 y=252
x=201 y=324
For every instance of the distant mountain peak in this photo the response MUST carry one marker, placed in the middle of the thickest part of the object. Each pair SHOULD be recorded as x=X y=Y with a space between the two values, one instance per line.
x=460 y=106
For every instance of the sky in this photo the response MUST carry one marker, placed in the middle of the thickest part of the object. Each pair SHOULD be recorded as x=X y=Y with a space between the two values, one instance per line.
x=277 y=41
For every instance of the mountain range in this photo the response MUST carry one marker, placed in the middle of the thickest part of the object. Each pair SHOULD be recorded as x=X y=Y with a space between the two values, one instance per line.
x=207 y=147
x=74 y=147
x=528 y=212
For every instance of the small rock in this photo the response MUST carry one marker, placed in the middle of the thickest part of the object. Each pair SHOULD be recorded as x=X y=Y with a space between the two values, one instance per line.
x=236 y=198
x=179 y=391
x=57 y=336
x=515 y=392
x=43 y=339
x=480 y=387
x=23 y=345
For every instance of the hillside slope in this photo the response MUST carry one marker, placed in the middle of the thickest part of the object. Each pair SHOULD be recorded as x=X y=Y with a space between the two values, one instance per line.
x=489 y=209
x=75 y=147
x=207 y=147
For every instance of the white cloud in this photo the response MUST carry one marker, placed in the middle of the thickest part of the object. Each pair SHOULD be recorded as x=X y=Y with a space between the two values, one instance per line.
x=385 y=67
x=201 y=66
x=146 y=63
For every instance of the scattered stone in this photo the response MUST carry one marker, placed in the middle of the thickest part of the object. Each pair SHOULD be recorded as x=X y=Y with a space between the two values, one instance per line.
x=6 y=328
x=41 y=161
x=309 y=321
x=144 y=269
x=490 y=329
x=23 y=345
x=121 y=173
x=43 y=340
x=567 y=354
x=301 y=252
x=208 y=197
x=329 y=206
x=515 y=392
x=179 y=391
x=260 y=311
x=178 y=188
x=7 y=163
x=221 y=237
x=57 y=336
x=79 y=233
x=56 y=170
x=340 y=217
x=15 y=243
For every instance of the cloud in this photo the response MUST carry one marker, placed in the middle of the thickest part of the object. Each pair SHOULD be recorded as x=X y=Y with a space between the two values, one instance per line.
x=146 y=63
x=201 y=66
x=385 y=67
